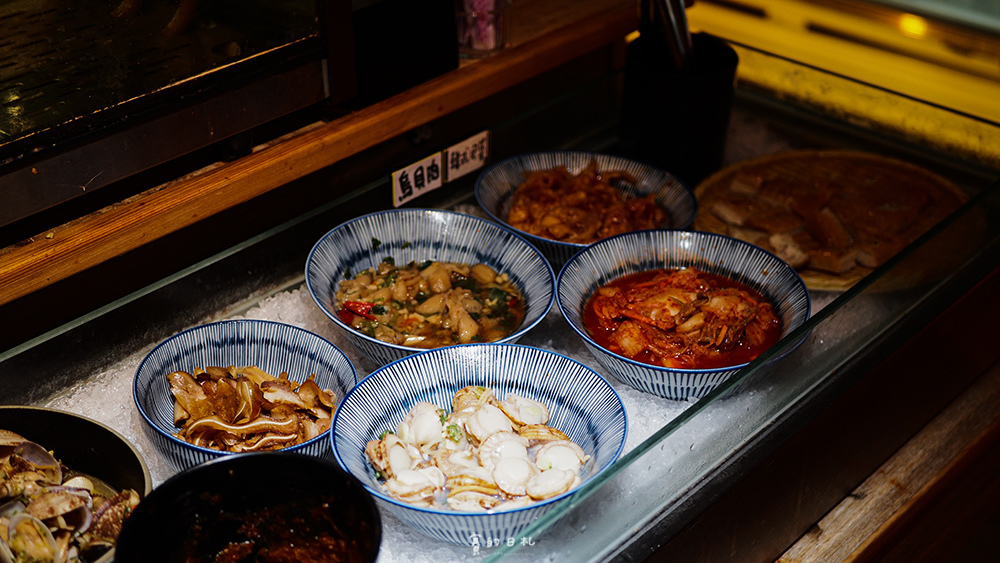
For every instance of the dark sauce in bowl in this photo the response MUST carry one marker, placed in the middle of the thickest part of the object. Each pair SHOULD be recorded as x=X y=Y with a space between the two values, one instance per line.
x=301 y=531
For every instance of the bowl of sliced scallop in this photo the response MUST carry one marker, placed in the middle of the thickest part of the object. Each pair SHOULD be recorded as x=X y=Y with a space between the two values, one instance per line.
x=677 y=313
x=67 y=484
x=561 y=201
x=240 y=386
x=478 y=441
x=402 y=281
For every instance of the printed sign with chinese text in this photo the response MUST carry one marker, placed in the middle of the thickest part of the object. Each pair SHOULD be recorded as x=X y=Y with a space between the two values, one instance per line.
x=469 y=155
x=417 y=179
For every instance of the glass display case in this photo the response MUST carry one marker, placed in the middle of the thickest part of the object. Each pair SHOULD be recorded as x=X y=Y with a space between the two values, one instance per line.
x=683 y=459
x=94 y=94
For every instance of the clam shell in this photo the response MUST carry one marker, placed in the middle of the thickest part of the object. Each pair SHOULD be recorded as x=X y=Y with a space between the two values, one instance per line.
x=501 y=445
x=522 y=410
x=29 y=540
x=548 y=484
x=513 y=474
x=541 y=433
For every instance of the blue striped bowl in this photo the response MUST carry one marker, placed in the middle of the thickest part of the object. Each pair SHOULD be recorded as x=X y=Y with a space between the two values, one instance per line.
x=273 y=347
x=496 y=184
x=417 y=235
x=617 y=256
x=581 y=403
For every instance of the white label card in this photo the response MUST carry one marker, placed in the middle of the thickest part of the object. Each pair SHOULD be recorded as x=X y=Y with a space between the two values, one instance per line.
x=417 y=179
x=471 y=154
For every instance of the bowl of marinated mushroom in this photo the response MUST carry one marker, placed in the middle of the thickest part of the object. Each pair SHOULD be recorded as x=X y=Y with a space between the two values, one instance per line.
x=561 y=201
x=677 y=313
x=240 y=386
x=475 y=442
x=406 y=280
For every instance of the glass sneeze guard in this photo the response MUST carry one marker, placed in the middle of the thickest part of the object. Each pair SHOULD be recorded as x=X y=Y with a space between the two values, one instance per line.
x=671 y=465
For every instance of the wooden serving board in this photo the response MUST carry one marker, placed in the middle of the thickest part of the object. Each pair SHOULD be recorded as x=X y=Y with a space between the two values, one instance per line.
x=847 y=211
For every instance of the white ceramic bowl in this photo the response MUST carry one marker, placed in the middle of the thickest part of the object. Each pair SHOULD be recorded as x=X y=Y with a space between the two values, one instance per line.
x=617 y=256
x=581 y=403
x=273 y=347
x=418 y=235
x=496 y=184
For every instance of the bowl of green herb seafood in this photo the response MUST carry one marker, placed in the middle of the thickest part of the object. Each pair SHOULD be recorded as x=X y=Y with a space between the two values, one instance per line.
x=407 y=280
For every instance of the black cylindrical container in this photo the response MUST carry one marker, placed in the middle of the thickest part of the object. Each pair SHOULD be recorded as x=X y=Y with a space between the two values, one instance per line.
x=677 y=119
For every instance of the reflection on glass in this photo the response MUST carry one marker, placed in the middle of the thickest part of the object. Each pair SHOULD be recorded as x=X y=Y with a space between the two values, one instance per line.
x=976 y=13
x=64 y=59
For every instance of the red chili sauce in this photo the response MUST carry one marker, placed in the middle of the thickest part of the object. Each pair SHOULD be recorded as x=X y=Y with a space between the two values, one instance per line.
x=681 y=319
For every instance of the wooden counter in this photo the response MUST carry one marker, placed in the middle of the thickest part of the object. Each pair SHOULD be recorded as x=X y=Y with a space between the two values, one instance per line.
x=928 y=499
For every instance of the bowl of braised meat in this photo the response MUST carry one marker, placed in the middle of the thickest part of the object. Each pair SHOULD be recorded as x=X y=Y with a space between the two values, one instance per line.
x=240 y=386
x=67 y=484
x=676 y=313
x=407 y=280
x=275 y=506
x=472 y=442
x=562 y=201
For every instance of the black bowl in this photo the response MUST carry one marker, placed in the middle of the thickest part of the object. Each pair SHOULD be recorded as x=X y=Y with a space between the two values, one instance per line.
x=201 y=510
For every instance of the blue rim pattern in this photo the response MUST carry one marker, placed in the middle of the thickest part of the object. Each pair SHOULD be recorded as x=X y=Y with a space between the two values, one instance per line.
x=496 y=185
x=629 y=253
x=272 y=346
x=581 y=402
x=418 y=235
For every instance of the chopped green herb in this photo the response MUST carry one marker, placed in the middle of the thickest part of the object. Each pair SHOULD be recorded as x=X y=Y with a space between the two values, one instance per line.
x=464 y=282
x=454 y=432
x=388 y=281
x=376 y=243
x=498 y=299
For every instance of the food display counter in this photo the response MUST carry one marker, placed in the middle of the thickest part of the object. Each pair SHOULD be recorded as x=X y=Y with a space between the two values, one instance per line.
x=742 y=474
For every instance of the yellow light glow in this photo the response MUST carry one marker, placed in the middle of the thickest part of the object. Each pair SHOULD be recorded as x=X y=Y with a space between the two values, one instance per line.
x=911 y=25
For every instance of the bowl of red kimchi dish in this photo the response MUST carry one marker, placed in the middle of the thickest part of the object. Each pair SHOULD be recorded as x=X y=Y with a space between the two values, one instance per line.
x=561 y=201
x=676 y=313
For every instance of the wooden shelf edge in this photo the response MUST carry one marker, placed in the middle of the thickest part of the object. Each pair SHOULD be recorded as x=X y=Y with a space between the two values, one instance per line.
x=73 y=247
